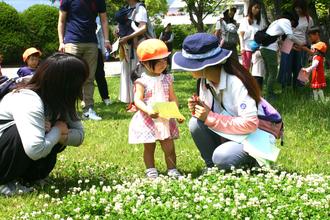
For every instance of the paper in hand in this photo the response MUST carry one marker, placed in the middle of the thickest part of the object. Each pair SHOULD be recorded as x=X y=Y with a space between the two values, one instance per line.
x=115 y=46
x=167 y=110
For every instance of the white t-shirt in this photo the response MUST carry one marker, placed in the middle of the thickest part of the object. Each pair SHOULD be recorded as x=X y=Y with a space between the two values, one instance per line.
x=249 y=30
x=258 y=65
x=140 y=14
x=278 y=28
x=303 y=26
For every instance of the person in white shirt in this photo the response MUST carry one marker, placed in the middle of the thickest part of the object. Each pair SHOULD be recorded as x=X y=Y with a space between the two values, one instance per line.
x=277 y=28
x=225 y=86
x=247 y=29
x=39 y=120
x=138 y=15
x=291 y=63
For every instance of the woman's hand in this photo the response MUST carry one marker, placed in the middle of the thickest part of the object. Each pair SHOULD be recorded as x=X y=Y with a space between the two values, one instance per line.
x=191 y=104
x=63 y=127
x=63 y=139
x=153 y=114
x=48 y=126
x=202 y=111
x=123 y=40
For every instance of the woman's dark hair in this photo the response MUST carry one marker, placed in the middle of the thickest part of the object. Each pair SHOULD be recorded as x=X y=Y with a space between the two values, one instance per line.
x=250 y=14
x=151 y=63
x=59 y=81
x=292 y=16
x=303 y=5
x=233 y=67
x=226 y=16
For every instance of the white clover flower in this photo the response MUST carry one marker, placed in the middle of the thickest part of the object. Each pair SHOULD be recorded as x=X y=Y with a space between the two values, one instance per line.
x=77 y=210
x=57 y=216
x=57 y=191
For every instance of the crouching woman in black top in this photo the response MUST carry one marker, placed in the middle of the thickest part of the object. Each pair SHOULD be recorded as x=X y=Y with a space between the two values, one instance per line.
x=38 y=120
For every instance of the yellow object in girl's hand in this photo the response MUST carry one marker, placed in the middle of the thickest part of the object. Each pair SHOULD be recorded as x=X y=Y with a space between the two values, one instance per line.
x=167 y=110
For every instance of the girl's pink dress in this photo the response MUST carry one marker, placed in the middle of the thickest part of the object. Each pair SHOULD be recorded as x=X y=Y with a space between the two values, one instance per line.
x=144 y=129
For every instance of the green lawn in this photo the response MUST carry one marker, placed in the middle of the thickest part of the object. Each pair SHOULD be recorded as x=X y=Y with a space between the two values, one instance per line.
x=106 y=159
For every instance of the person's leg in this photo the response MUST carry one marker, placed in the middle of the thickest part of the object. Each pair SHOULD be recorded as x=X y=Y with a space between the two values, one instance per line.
x=296 y=66
x=169 y=153
x=90 y=56
x=13 y=159
x=40 y=169
x=100 y=77
x=283 y=74
x=149 y=155
x=205 y=140
x=149 y=160
x=246 y=59
x=270 y=59
x=231 y=154
x=315 y=94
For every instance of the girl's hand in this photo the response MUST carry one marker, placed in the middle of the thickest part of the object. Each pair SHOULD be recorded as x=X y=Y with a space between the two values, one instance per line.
x=180 y=120
x=191 y=104
x=153 y=114
x=202 y=111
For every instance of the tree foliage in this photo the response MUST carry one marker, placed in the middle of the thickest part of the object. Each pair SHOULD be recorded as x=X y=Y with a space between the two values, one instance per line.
x=41 y=24
x=198 y=10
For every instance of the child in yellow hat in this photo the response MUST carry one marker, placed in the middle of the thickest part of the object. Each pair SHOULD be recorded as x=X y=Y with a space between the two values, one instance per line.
x=31 y=58
x=146 y=127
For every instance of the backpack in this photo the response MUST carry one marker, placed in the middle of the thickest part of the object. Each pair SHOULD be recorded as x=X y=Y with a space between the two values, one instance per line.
x=264 y=39
x=6 y=85
x=270 y=121
x=230 y=36
x=124 y=23
x=150 y=33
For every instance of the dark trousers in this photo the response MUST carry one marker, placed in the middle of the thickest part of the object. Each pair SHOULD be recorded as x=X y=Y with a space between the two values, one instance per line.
x=100 y=77
x=15 y=164
x=290 y=66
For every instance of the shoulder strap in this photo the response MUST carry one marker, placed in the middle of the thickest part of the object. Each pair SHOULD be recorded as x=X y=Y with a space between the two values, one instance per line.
x=4 y=121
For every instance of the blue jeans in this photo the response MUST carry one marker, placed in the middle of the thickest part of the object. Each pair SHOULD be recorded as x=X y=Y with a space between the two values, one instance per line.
x=215 y=151
x=290 y=66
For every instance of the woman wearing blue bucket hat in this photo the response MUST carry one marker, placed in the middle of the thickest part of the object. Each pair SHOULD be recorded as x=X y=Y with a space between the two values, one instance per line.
x=226 y=101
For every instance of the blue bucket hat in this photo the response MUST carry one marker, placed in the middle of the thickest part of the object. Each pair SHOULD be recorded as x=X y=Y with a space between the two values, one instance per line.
x=200 y=51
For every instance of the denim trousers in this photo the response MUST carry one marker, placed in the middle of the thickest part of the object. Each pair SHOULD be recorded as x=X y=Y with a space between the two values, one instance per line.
x=290 y=66
x=215 y=151
x=100 y=77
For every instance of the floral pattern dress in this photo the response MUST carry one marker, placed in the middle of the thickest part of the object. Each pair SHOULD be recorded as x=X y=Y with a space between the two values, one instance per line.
x=143 y=128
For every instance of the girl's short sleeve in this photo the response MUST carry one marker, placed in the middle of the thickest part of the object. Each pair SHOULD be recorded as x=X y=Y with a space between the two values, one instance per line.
x=169 y=78
x=141 y=81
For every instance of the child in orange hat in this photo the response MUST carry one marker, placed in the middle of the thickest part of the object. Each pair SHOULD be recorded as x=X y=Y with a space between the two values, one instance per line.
x=146 y=126
x=31 y=57
x=318 y=82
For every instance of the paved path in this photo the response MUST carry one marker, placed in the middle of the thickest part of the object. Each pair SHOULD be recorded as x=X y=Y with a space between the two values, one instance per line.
x=112 y=69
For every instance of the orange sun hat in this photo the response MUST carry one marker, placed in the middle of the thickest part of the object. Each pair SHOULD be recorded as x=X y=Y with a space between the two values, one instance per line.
x=152 y=49
x=28 y=52
x=321 y=46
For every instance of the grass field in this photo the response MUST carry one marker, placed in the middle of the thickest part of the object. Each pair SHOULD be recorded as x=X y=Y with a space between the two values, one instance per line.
x=77 y=185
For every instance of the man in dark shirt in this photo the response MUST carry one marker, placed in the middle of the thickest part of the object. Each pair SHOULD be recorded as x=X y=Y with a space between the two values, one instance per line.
x=76 y=33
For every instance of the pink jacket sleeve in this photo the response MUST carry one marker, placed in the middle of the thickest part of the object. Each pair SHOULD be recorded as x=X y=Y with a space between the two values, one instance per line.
x=230 y=124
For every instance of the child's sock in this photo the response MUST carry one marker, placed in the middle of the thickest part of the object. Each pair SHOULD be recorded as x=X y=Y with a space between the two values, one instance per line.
x=321 y=94
x=315 y=93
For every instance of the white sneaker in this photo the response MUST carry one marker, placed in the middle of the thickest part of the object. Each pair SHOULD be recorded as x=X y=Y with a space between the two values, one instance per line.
x=107 y=102
x=13 y=188
x=91 y=114
x=152 y=173
x=174 y=173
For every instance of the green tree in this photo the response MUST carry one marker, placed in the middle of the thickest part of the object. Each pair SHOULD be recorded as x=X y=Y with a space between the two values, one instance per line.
x=198 y=10
x=12 y=34
x=41 y=24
